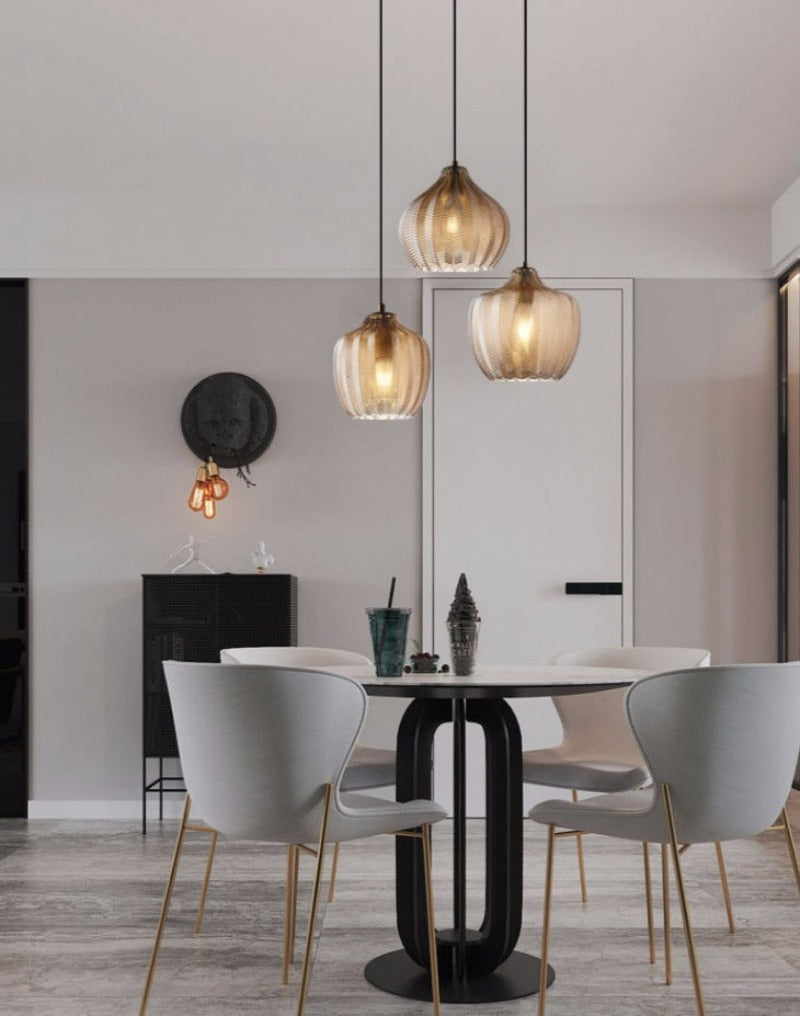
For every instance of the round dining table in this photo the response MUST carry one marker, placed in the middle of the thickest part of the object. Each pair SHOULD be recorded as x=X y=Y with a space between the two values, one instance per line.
x=475 y=965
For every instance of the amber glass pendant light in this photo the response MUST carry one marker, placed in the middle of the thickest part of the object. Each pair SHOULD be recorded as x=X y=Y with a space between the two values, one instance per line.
x=454 y=226
x=524 y=331
x=381 y=369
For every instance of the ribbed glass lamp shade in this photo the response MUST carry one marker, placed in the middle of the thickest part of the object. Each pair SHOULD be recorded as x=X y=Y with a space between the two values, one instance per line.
x=381 y=369
x=454 y=226
x=524 y=331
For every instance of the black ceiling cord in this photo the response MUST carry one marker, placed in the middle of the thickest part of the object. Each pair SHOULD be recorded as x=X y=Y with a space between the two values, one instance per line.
x=525 y=133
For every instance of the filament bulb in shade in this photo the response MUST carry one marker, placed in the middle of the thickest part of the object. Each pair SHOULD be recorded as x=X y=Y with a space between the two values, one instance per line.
x=523 y=328
x=384 y=375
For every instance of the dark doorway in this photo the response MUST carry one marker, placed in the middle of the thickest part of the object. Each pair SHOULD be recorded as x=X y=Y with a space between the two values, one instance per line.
x=13 y=547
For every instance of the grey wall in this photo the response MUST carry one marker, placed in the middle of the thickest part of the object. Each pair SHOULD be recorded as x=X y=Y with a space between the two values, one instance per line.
x=705 y=490
x=338 y=501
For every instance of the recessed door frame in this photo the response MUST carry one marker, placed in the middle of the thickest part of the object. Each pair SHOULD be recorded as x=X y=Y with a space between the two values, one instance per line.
x=477 y=284
x=14 y=776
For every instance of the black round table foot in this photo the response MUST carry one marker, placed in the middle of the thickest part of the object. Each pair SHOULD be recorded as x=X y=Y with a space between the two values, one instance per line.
x=398 y=974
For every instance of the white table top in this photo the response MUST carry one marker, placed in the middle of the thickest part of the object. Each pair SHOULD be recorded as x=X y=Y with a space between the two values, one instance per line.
x=496 y=681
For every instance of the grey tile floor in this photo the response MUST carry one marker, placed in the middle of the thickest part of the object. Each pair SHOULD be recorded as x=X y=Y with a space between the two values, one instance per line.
x=79 y=902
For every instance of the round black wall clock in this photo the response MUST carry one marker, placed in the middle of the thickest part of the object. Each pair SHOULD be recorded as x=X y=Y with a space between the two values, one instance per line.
x=230 y=418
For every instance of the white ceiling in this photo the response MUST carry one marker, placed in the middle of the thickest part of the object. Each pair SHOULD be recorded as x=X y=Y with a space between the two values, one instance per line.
x=272 y=105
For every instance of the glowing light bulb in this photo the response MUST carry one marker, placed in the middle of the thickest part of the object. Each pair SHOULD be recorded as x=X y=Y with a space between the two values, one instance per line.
x=198 y=494
x=217 y=487
x=209 y=507
x=523 y=327
x=384 y=375
x=452 y=225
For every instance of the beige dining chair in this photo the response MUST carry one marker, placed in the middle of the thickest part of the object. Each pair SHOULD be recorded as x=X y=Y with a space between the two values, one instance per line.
x=721 y=746
x=598 y=753
x=264 y=751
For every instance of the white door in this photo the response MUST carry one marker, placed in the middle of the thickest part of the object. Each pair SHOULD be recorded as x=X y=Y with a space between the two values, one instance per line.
x=527 y=486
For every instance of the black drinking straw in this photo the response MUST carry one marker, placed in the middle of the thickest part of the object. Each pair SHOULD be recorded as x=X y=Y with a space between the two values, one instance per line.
x=382 y=636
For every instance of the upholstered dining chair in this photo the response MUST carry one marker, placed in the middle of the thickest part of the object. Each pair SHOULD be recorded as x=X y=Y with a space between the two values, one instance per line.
x=368 y=769
x=598 y=753
x=264 y=751
x=720 y=745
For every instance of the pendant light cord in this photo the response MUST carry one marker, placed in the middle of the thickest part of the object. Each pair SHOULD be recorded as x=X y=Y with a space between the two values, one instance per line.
x=525 y=131
x=455 y=160
x=380 y=156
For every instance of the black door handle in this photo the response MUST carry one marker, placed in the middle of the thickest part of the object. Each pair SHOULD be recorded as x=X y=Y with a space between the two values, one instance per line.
x=593 y=588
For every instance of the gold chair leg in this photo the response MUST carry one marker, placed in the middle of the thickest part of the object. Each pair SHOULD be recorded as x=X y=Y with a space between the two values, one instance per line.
x=726 y=892
x=648 y=890
x=334 y=869
x=791 y=846
x=312 y=917
x=581 y=868
x=173 y=871
x=295 y=879
x=288 y=929
x=201 y=907
x=687 y=924
x=548 y=898
x=665 y=907
x=432 y=951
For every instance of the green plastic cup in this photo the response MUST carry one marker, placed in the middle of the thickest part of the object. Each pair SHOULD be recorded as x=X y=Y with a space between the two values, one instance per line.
x=388 y=627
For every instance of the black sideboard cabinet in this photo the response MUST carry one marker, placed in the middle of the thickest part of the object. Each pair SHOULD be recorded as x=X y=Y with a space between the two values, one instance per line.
x=192 y=617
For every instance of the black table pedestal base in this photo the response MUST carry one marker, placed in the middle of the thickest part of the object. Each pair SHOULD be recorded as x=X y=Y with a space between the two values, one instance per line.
x=398 y=974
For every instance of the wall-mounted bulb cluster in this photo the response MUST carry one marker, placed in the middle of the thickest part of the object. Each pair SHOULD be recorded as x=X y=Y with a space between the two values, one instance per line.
x=209 y=487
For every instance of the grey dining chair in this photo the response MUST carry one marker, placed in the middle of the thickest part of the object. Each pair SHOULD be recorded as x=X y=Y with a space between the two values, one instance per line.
x=721 y=746
x=368 y=768
x=264 y=751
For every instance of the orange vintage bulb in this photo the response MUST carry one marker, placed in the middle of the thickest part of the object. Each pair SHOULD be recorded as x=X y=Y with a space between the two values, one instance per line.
x=216 y=485
x=198 y=493
x=209 y=507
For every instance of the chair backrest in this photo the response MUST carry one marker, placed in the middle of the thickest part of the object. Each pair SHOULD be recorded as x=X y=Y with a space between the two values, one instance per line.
x=655 y=658
x=257 y=745
x=293 y=656
x=726 y=741
x=595 y=725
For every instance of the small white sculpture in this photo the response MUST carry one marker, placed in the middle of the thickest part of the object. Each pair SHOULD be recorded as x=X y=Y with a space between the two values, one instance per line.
x=189 y=550
x=260 y=558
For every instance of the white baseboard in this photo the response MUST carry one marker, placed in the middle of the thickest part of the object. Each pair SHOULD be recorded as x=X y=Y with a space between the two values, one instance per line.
x=119 y=811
